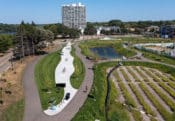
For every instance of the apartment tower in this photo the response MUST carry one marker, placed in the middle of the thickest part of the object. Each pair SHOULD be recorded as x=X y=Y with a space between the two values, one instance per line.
x=74 y=16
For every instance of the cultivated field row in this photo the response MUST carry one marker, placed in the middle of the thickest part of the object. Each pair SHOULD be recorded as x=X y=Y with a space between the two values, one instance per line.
x=147 y=93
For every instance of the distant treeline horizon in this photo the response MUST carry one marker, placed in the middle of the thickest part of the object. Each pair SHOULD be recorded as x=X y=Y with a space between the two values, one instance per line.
x=12 y=28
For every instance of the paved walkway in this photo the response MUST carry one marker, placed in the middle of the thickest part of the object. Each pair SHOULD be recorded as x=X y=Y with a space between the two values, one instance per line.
x=33 y=110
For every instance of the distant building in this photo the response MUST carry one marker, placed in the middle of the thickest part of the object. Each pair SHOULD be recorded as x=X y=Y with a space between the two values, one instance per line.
x=167 y=31
x=111 y=29
x=153 y=29
x=74 y=16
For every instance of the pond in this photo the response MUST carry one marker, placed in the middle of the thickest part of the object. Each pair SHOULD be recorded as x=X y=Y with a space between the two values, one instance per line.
x=106 y=52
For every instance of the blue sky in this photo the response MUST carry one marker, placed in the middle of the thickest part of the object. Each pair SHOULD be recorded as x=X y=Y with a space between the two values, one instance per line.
x=49 y=11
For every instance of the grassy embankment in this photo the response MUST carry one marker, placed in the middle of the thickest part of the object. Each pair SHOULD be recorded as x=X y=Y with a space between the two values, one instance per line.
x=79 y=73
x=159 y=58
x=135 y=40
x=147 y=54
x=151 y=55
x=45 y=79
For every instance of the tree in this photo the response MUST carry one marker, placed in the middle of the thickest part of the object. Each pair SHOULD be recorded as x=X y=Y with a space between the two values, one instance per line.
x=53 y=28
x=115 y=23
x=6 y=41
x=28 y=36
x=90 y=30
x=74 y=33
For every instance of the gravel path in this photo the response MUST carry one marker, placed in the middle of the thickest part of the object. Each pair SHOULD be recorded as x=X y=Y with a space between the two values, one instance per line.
x=33 y=110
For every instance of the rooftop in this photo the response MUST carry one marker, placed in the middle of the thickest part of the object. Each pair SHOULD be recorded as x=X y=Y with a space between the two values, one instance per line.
x=74 y=5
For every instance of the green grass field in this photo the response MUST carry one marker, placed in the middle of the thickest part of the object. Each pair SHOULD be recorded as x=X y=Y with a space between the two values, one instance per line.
x=14 y=112
x=45 y=79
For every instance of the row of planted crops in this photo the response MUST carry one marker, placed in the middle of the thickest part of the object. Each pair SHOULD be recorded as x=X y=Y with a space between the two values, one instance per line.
x=149 y=93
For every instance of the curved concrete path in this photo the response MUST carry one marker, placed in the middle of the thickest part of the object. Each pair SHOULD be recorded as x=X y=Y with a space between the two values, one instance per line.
x=33 y=110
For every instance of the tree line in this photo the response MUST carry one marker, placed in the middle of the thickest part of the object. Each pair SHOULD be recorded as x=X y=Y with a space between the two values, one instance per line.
x=8 y=28
x=65 y=32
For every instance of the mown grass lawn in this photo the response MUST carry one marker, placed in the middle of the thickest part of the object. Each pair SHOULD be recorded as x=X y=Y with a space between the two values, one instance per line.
x=14 y=112
x=45 y=79
x=79 y=73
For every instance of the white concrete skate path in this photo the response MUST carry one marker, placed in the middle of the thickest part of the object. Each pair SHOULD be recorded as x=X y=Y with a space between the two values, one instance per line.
x=63 y=72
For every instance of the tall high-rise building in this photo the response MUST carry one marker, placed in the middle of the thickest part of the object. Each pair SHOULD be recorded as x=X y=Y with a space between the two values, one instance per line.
x=74 y=16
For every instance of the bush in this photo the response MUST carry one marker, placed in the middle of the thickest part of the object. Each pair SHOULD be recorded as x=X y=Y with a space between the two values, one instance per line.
x=79 y=73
